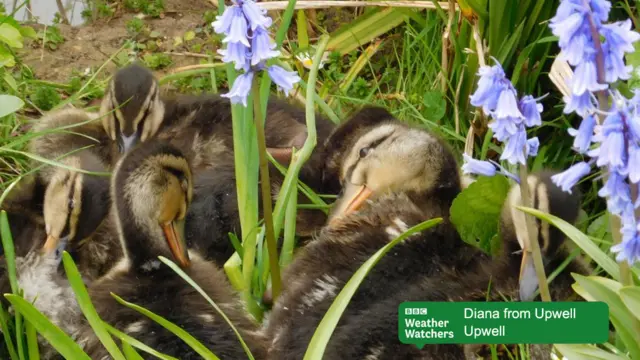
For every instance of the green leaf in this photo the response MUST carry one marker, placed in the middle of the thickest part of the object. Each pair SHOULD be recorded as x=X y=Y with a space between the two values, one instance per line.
x=435 y=105
x=189 y=35
x=475 y=212
x=89 y=311
x=4 y=326
x=9 y=251
x=321 y=336
x=176 y=330
x=10 y=80
x=364 y=29
x=28 y=32
x=580 y=239
x=130 y=352
x=186 y=278
x=10 y=104
x=633 y=58
x=630 y=296
x=135 y=343
x=32 y=342
x=56 y=337
x=603 y=289
x=10 y=36
x=582 y=351
x=303 y=36
x=6 y=58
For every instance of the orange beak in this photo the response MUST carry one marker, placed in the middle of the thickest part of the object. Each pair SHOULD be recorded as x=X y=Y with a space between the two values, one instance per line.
x=354 y=198
x=528 y=280
x=50 y=245
x=174 y=234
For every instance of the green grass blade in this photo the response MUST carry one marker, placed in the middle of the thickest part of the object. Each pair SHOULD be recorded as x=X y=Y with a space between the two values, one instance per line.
x=236 y=244
x=56 y=337
x=186 y=278
x=323 y=333
x=364 y=29
x=89 y=311
x=19 y=335
x=4 y=326
x=135 y=343
x=130 y=353
x=32 y=342
x=630 y=296
x=580 y=239
x=9 y=251
x=196 y=345
x=582 y=351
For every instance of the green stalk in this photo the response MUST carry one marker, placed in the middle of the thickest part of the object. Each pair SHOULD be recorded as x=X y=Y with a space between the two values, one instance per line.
x=289 y=228
x=534 y=246
x=265 y=186
x=290 y=180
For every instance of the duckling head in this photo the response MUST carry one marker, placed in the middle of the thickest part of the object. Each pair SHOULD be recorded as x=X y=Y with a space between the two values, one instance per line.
x=374 y=153
x=74 y=203
x=132 y=110
x=151 y=189
x=546 y=197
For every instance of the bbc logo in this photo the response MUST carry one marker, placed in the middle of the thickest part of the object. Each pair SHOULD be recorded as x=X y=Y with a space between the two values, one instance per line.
x=415 y=311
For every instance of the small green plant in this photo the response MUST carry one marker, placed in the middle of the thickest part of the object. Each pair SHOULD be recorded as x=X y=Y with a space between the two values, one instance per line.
x=45 y=98
x=51 y=37
x=135 y=27
x=148 y=7
x=157 y=61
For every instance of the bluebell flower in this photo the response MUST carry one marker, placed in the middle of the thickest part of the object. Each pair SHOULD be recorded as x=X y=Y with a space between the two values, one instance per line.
x=634 y=162
x=580 y=104
x=238 y=30
x=584 y=135
x=503 y=128
x=255 y=15
x=282 y=78
x=490 y=86
x=532 y=146
x=508 y=106
x=617 y=192
x=629 y=249
x=262 y=47
x=620 y=37
x=567 y=179
x=514 y=150
x=575 y=50
x=235 y=53
x=223 y=22
x=531 y=110
x=585 y=77
x=241 y=88
x=612 y=152
x=473 y=166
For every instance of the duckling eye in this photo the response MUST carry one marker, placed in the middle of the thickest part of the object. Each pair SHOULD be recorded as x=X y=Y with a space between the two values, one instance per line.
x=365 y=151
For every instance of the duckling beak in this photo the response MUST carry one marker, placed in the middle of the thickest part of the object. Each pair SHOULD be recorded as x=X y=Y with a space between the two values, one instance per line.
x=50 y=245
x=174 y=233
x=128 y=142
x=354 y=197
x=528 y=277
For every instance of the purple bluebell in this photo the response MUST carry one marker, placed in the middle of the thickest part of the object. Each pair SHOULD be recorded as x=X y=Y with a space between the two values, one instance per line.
x=634 y=162
x=262 y=47
x=479 y=167
x=238 y=29
x=223 y=22
x=490 y=86
x=503 y=128
x=282 y=78
x=585 y=77
x=235 y=53
x=531 y=110
x=255 y=15
x=241 y=88
x=567 y=179
x=532 y=146
x=515 y=148
x=612 y=152
x=617 y=192
x=580 y=104
x=584 y=134
x=629 y=249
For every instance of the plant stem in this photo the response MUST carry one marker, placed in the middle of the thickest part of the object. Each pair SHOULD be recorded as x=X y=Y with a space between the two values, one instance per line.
x=265 y=186
x=533 y=246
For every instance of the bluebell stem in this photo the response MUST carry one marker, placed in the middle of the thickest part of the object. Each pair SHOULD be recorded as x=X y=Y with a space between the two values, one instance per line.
x=245 y=26
x=614 y=145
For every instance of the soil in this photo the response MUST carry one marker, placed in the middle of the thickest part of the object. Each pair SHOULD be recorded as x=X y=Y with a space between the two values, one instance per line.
x=90 y=46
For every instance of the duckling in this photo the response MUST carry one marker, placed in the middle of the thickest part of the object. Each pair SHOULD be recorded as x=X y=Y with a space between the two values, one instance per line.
x=152 y=188
x=388 y=187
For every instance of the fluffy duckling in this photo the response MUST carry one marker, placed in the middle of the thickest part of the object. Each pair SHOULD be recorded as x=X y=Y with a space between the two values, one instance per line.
x=152 y=188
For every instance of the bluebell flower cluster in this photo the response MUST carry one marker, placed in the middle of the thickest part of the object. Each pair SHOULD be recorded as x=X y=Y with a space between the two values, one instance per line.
x=511 y=117
x=248 y=46
x=584 y=37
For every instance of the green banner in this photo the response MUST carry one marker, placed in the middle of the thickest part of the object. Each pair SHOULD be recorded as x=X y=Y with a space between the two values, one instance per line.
x=424 y=323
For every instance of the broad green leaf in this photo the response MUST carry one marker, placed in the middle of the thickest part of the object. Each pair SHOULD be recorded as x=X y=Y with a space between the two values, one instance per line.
x=9 y=104
x=135 y=343
x=193 y=284
x=32 y=342
x=176 y=330
x=56 y=337
x=321 y=336
x=6 y=58
x=10 y=36
x=130 y=352
x=580 y=239
x=364 y=29
x=435 y=105
x=586 y=352
x=28 y=32
x=89 y=311
x=9 y=79
x=303 y=36
x=630 y=296
x=603 y=289
x=475 y=212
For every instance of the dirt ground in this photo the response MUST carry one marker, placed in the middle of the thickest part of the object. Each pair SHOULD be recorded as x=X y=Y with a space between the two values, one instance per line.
x=91 y=45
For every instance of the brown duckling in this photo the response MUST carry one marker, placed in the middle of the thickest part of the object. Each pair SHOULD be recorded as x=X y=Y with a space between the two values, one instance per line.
x=152 y=188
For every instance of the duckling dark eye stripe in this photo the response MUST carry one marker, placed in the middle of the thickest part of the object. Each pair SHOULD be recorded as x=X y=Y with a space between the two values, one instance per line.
x=372 y=145
x=147 y=106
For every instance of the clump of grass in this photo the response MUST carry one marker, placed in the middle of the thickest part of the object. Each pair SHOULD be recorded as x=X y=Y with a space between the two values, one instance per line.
x=148 y=7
